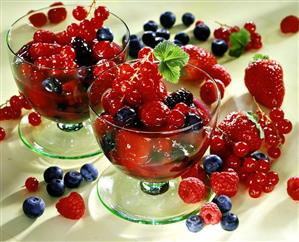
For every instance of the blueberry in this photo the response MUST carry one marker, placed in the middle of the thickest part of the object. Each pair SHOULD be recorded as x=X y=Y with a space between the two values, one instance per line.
x=89 y=172
x=182 y=37
x=164 y=33
x=72 y=179
x=104 y=33
x=158 y=40
x=212 y=163
x=24 y=54
x=229 y=222
x=52 y=84
x=150 y=26
x=223 y=202
x=83 y=51
x=194 y=119
x=108 y=142
x=201 y=32
x=177 y=42
x=53 y=172
x=259 y=156
x=55 y=188
x=188 y=19
x=194 y=223
x=135 y=45
x=167 y=19
x=219 y=47
x=34 y=207
x=125 y=116
x=148 y=38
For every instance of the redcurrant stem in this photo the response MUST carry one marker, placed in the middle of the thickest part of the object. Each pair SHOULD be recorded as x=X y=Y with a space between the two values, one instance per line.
x=260 y=109
x=221 y=24
x=92 y=5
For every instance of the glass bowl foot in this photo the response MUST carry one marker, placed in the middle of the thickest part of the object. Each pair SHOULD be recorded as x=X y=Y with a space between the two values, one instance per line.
x=49 y=140
x=141 y=202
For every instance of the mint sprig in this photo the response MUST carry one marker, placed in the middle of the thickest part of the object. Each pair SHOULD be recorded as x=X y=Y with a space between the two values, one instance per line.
x=238 y=42
x=172 y=58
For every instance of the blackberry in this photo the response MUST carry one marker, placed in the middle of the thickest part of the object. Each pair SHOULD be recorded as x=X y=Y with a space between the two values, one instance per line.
x=181 y=95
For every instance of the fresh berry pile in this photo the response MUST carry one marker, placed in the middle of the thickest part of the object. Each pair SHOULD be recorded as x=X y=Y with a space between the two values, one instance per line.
x=61 y=66
x=72 y=206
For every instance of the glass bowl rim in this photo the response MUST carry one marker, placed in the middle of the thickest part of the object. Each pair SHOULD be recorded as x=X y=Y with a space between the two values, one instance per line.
x=181 y=130
x=8 y=39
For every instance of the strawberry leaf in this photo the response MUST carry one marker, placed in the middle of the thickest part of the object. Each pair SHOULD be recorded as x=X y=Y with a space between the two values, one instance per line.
x=260 y=57
x=238 y=42
x=254 y=118
x=172 y=58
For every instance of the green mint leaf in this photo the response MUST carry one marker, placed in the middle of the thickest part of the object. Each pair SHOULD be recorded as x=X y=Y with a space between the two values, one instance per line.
x=254 y=118
x=238 y=42
x=171 y=74
x=172 y=58
x=260 y=57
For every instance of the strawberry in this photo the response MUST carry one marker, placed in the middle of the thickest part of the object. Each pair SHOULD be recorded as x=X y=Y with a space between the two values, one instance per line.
x=264 y=81
x=242 y=126
x=198 y=57
x=219 y=72
x=72 y=206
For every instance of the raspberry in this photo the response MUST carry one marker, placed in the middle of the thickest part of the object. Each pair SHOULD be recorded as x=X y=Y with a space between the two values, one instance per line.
x=176 y=119
x=225 y=183
x=38 y=19
x=290 y=24
x=192 y=190
x=210 y=213
x=72 y=206
x=154 y=114
x=44 y=36
x=293 y=188
x=195 y=171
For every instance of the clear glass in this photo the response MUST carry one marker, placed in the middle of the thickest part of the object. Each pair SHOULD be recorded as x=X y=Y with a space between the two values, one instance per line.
x=65 y=112
x=142 y=187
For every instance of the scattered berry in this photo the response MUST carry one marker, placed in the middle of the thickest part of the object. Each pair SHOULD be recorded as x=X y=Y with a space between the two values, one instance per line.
x=188 y=19
x=34 y=118
x=212 y=163
x=225 y=183
x=192 y=190
x=194 y=223
x=72 y=206
x=210 y=213
x=31 y=184
x=34 y=207
x=150 y=26
x=219 y=47
x=229 y=222
x=89 y=172
x=182 y=37
x=289 y=24
x=164 y=33
x=223 y=202
x=167 y=19
x=72 y=179
x=55 y=188
x=53 y=172
x=201 y=32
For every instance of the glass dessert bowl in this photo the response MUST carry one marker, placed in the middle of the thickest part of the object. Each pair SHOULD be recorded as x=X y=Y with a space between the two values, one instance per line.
x=152 y=132
x=53 y=66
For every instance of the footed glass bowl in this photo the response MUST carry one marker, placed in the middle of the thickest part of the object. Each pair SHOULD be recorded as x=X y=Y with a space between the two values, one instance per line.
x=142 y=183
x=58 y=91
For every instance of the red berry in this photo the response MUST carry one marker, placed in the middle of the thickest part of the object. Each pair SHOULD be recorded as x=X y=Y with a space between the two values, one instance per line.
x=154 y=114
x=255 y=191
x=15 y=113
x=272 y=177
x=199 y=22
x=183 y=107
x=25 y=103
x=101 y=13
x=111 y=102
x=96 y=23
x=274 y=152
x=208 y=92
x=269 y=187
x=176 y=119
x=249 y=165
x=67 y=52
x=222 y=33
x=240 y=148
x=16 y=102
x=63 y=37
x=57 y=15
x=225 y=183
x=38 y=19
x=192 y=190
x=44 y=36
x=250 y=26
x=34 y=118
x=210 y=213
x=272 y=139
x=234 y=29
x=263 y=165
x=276 y=114
x=79 y=13
x=233 y=162
x=293 y=188
x=290 y=24
x=72 y=206
x=195 y=171
x=31 y=184
x=133 y=98
x=146 y=52
x=284 y=126
x=217 y=143
x=2 y=134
